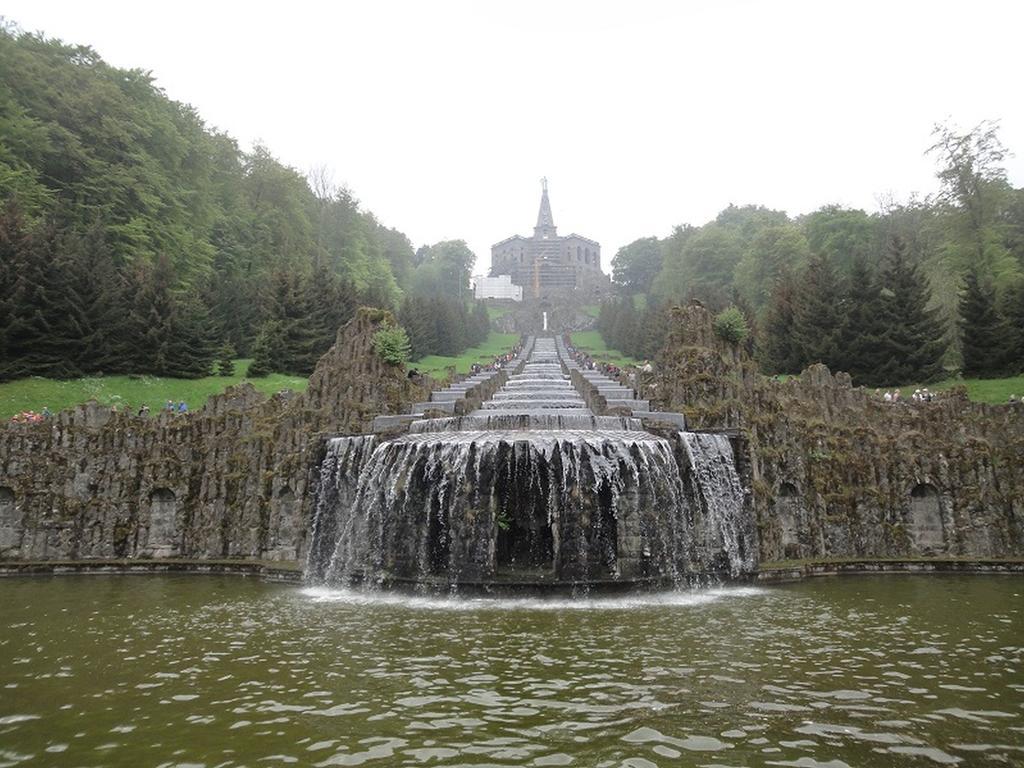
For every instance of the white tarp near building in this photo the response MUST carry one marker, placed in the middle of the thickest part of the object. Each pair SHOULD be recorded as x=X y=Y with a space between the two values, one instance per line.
x=497 y=287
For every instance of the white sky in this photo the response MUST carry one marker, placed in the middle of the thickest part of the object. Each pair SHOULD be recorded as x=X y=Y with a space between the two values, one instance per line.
x=442 y=116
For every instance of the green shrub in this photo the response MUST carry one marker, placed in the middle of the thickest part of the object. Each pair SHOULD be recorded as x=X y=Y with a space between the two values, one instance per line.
x=731 y=325
x=392 y=344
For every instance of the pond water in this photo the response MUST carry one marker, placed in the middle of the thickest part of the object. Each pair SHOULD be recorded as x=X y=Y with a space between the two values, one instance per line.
x=206 y=671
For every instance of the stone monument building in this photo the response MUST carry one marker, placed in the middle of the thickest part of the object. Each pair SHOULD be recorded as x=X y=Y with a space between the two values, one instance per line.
x=546 y=264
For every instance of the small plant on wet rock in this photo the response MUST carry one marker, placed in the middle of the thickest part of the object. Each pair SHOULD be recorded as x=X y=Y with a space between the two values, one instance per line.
x=731 y=325
x=392 y=344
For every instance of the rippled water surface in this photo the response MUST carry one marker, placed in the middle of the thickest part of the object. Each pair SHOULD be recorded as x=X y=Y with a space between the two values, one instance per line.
x=205 y=671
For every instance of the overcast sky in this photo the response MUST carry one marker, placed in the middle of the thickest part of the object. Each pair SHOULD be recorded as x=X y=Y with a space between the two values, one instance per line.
x=442 y=117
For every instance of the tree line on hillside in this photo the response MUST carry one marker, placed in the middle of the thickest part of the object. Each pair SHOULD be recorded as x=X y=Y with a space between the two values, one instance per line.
x=141 y=241
x=440 y=326
x=906 y=294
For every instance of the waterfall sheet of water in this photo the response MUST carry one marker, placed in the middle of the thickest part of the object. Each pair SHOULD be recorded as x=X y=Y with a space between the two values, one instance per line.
x=722 y=497
x=336 y=490
x=584 y=504
x=531 y=486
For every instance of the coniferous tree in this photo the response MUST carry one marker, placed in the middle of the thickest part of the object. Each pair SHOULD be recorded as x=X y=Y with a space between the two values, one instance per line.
x=46 y=330
x=983 y=332
x=226 y=360
x=291 y=310
x=818 y=315
x=625 y=330
x=863 y=335
x=103 y=303
x=777 y=350
x=167 y=336
x=449 y=326
x=654 y=327
x=1013 y=311
x=13 y=240
x=606 y=320
x=194 y=346
x=416 y=317
x=913 y=342
x=267 y=351
x=481 y=324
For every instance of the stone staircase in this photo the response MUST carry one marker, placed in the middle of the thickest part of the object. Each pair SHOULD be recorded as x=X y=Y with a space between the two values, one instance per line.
x=455 y=398
x=596 y=387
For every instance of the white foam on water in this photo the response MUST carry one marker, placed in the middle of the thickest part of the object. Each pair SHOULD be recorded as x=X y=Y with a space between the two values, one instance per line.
x=673 y=599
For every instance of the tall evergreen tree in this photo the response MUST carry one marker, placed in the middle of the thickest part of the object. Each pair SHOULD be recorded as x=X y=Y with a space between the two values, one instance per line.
x=913 y=342
x=417 y=318
x=654 y=327
x=626 y=328
x=267 y=351
x=1013 y=311
x=167 y=336
x=100 y=292
x=818 y=315
x=13 y=240
x=47 y=328
x=481 y=324
x=863 y=334
x=984 y=334
x=226 y=360
x=777 y=350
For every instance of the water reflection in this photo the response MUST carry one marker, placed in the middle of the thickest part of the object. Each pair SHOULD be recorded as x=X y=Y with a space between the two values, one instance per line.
x=206 y=671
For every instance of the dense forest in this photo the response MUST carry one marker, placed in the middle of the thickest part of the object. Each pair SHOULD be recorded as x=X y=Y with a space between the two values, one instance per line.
x=909 y=293
x=134 y=238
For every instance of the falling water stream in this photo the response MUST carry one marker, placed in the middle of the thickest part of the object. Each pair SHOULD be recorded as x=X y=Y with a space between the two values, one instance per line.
x=530 y=488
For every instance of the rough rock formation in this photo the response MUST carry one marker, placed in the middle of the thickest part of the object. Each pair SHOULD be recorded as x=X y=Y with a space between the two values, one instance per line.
x=228 y=480
x=837 y=472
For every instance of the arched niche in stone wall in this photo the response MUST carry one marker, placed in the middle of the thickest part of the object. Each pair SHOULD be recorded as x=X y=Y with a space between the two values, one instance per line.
x=162 y=531
x=284 y=525
x=10 y=528
x=6 y=505
x=925 y=525
x=790 y=511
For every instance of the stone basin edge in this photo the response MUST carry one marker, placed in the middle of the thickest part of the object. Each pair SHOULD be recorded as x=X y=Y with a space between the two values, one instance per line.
x=292 y=573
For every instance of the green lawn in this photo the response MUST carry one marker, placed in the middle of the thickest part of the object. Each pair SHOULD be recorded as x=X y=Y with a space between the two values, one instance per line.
x=129 y=391
x=981 y=390
x=495 y=313
x=592 y=343
x=994 y=391
x=437 y=365
x=591 y=309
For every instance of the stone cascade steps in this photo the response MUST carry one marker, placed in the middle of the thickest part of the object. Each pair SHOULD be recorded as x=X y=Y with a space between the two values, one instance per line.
x=617 y=395
x=445 y=400
x=540 y=388
x=537 y=386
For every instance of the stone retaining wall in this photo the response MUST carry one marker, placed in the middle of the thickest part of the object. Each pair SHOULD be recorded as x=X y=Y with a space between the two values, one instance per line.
x=837 y=472
x=873 y=567
x=230 y=480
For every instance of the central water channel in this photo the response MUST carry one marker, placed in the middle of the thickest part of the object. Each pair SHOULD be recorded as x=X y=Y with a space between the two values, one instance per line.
x=207 y=671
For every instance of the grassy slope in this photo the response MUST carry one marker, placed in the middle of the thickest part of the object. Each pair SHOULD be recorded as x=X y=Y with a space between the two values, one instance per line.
x=124 y=391
x=496 y=344
x=592 y=343
x=993 y=391
x=981 y=390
